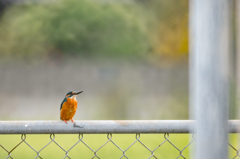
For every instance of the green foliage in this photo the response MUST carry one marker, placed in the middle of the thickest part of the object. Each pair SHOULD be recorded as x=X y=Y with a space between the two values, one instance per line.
x=72 y=27
x=169 y=33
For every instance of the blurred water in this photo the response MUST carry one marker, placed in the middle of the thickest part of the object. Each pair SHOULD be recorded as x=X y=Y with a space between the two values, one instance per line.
x=112 y=90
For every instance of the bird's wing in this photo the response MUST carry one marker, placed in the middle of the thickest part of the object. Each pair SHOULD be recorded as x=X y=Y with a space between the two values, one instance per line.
x=64 y=100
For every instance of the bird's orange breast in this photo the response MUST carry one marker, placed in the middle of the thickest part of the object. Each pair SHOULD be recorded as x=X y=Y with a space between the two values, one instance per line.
x=68 y=109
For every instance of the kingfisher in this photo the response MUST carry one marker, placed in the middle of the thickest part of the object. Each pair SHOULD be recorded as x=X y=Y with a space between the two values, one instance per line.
x=69 y=106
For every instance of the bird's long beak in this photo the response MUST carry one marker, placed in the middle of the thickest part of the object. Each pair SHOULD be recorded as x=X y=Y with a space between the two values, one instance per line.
x=77 y=93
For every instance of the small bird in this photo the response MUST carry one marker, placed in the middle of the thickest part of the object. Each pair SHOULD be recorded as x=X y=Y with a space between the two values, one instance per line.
x=69 y=106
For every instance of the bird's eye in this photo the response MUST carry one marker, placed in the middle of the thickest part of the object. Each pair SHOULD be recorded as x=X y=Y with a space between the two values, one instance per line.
x=68 y=95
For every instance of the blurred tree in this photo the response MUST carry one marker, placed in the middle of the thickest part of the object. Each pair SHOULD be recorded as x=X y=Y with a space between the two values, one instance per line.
x=169 y=33
x=72 y=27
x=97 y=28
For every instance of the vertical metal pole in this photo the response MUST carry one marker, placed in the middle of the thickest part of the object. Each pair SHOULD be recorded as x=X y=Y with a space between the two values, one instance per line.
x=209 y=49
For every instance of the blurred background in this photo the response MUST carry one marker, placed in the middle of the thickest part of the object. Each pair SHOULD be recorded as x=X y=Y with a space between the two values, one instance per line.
x=130 y=58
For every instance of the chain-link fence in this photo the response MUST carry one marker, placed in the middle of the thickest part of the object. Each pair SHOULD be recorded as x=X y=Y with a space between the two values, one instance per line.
x=51 y=32
x=109 y=139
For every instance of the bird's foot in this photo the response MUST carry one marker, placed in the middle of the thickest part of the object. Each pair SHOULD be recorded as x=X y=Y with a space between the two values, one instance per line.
x=65 y=121
x=77 y=126
x=72 y=120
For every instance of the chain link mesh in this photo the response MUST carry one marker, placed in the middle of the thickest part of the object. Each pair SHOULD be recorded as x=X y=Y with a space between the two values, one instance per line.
x=109 y=140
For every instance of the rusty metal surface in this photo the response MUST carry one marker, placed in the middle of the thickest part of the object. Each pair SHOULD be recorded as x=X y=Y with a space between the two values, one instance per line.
x=103 y=126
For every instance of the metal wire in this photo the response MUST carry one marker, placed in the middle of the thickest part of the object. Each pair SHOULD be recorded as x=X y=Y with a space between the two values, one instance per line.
x=236 y=150
x=109 y=140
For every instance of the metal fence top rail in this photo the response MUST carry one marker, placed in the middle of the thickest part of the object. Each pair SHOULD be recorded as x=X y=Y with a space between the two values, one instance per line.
x=104 y=126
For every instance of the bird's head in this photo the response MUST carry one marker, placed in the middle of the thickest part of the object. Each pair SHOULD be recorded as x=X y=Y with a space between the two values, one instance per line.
x=73 y=94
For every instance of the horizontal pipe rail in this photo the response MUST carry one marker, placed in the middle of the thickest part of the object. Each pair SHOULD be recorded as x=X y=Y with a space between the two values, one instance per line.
x=104 y=126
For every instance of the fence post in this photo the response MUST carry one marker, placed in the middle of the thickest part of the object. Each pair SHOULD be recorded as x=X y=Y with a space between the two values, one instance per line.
x=209 y=49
